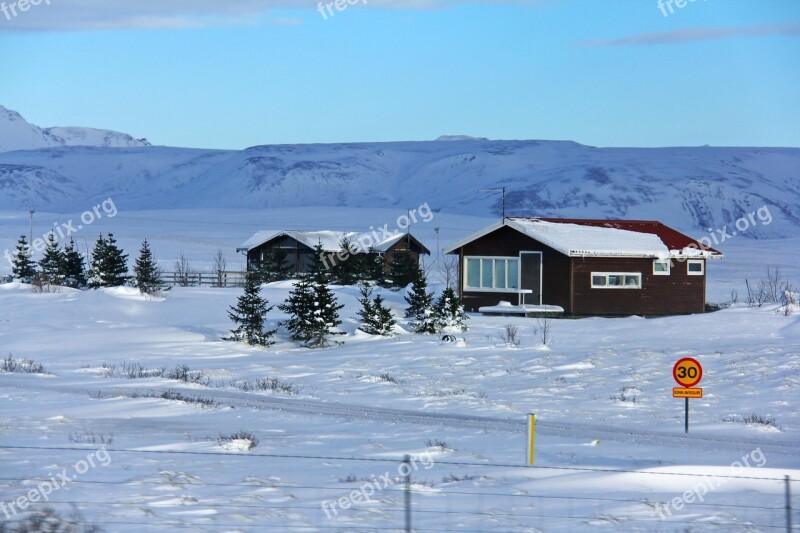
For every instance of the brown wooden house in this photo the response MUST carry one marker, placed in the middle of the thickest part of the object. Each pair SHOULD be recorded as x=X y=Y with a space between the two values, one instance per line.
x=299 y=246
x=582 y=267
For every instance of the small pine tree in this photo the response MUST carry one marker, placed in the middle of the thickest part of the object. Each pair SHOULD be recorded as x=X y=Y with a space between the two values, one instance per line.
x=325 y=311
x=313 y=310
x=371 y=267
x=274 y=266
x=73 y=269
x=376 y=318
x=299 y=307
x=319 y=263
x=449 y=312
x=22 y=268
x=52 y=263
x=249 y=314
x=147 y=276
x=420 y=305
x=346 y=271
x=403 y=269
x=109 y=264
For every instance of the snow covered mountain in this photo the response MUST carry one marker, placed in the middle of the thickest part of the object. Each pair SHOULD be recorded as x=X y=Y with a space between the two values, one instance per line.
x=18 y=134
x=692 y=189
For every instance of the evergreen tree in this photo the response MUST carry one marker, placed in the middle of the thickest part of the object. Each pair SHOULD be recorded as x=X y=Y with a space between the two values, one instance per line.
x=371 y=267
x=109 y=264
x=274 y=266
x=376 y=318
x=52 y=263
x=147 y=276
x=249 y=314
x=403 y=269
x=73 y=270
x=299 y=307
x=313 y=310
x=319 y=263
x=346 y=271
x=22 y=268
x=449 y=312
x=420 y=305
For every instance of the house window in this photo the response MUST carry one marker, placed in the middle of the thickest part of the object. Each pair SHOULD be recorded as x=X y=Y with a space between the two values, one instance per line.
x=616 y=280
x=661 y=267
x=492 y=273
x=695 y=267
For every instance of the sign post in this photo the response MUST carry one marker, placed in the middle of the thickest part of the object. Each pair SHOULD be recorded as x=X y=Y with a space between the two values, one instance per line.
x=687 y=373
x=531 y=438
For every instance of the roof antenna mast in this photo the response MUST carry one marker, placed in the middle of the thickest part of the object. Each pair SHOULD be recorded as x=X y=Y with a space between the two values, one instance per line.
x=500 y=190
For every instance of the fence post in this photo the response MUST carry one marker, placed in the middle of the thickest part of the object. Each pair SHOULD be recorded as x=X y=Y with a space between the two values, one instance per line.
x=788 y=504
x=407 y=462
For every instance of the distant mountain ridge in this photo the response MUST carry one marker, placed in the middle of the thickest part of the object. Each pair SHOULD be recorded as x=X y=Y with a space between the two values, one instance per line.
x=18 y=134
x=692 y=189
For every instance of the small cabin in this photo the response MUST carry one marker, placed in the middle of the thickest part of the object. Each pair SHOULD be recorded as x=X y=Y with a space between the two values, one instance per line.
x=299 y=246
x=582 y=267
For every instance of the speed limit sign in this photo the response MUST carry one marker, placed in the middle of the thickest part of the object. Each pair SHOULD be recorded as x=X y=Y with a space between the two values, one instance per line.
x=687 y=372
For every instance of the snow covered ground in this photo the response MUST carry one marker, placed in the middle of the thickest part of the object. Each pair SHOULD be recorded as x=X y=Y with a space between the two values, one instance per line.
x=610 y=441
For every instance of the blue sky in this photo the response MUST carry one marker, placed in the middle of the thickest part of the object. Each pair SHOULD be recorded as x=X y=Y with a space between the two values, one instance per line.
x=240 y=73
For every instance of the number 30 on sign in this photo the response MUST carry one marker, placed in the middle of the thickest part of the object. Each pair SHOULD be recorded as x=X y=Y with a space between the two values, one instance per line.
x=687 y=372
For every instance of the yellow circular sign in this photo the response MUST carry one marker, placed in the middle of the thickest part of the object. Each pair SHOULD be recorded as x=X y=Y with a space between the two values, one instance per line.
x=687 y=372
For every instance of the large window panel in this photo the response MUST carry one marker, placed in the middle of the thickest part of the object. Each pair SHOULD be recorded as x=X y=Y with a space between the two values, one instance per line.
x=492 y=273
x=486 y=273
x=473 y=273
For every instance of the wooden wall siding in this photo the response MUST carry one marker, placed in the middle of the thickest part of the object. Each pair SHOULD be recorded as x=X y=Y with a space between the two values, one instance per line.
x=506 y=242
x=677 y=293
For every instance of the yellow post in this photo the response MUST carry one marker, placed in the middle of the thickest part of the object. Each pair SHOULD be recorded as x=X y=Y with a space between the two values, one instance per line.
x=531 y=437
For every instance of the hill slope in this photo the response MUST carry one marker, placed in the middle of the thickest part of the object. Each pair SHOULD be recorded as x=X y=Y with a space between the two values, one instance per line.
x=693 y=189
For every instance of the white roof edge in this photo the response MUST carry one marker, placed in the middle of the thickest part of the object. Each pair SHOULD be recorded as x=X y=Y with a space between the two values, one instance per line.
x=477 y=235
x=670 y=254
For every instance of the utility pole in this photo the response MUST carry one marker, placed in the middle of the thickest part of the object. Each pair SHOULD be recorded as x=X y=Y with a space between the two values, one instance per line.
x=438 y=249
x=500 y=190
x=407 y=462
x=30 y=233
x=788 y=505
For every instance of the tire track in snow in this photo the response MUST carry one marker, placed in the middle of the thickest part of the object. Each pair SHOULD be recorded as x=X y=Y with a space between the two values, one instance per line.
x=403 y=416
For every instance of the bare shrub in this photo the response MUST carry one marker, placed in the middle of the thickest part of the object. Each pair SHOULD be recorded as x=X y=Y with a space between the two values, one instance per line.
x=20 y=366
x=90 y=437
x=220 y=265
x=184 y=274
x=136 y=370
x=266 y=385
x=48 y=521
x=448 y=270
x=183 y=373
x=543 y=330
x=245 y=436
x=436 y=443
x=387 y=377
x=754 y=419
x=510 y=336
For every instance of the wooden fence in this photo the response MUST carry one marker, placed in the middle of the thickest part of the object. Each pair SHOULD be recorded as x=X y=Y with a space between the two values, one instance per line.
x=204 y=279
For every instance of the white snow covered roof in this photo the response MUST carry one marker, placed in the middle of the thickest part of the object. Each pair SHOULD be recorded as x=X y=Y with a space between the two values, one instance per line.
x=330 y=240
x=577 y=238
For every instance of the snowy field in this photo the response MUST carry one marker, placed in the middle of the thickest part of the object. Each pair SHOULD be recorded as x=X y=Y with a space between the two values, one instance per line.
x=146 y=453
